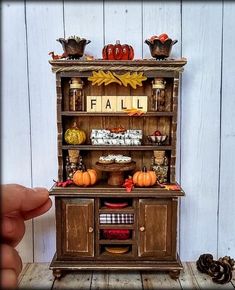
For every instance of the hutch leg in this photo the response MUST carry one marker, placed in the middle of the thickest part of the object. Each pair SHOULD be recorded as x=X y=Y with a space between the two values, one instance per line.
x=174 y=274
x=57 y=273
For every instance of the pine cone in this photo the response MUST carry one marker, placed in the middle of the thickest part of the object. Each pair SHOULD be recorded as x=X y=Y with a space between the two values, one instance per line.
x=228 y=259
x=221 y=272
x=204 y=263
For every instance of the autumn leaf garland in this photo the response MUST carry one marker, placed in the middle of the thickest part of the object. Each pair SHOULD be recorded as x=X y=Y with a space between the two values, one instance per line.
x=101 y=77
x=135 y=79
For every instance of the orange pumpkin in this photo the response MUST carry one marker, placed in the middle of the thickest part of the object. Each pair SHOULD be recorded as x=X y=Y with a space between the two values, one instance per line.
x=85 y=177
x=118 y=51
x=144 y=178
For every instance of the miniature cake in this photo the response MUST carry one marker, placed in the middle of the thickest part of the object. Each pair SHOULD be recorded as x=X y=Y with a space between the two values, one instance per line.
x=106 y=137
x=122 y=159
x=106 y=159
x=114 y=158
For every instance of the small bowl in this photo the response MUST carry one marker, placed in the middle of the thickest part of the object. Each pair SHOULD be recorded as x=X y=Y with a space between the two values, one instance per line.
x=74 y=46
x=159 y=140
x=159 y=49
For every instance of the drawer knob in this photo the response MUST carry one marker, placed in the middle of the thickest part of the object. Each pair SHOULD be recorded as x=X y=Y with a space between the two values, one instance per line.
x=142 y=229
x=91 y=230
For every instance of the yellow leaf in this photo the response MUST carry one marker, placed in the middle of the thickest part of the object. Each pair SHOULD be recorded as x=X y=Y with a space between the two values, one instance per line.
x=132 y=79
x=111 y=79
x=101 y=77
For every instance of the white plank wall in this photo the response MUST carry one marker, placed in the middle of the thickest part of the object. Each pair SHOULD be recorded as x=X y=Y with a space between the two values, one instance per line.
x=123 y=21
x=162 y=16
x=85 y=18
x=205 y=32
x=42 y=31
x=201 y=25
x=16 y=131
x=226 y=240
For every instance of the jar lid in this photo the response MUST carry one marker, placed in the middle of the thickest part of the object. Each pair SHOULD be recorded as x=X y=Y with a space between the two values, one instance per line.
x=158 y=86
x=76 y=86
x=76 y=83
x=158 y=83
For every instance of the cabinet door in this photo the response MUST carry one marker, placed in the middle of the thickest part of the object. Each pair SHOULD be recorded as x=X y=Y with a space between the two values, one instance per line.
x=77 y=236
x=157 y=228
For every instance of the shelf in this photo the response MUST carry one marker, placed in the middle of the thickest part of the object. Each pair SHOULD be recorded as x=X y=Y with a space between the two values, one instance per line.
x=89 y=114
x=152 y=265
x=102 y=189
x=150 y=62
x=110 y=255
x=117 y=210
x=116 y=242
x=117 y=226
x=116 y=147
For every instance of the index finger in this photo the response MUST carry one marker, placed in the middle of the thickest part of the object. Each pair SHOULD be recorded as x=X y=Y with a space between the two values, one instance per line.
x=16 y=197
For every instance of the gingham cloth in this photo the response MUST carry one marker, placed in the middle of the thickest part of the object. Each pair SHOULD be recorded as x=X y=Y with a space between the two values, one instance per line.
x=116 y=218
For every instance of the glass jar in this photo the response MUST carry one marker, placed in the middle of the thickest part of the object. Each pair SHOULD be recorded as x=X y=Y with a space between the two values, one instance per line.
x=70 y=168
x=160 y=166
x=76 y=98
x=158 y=96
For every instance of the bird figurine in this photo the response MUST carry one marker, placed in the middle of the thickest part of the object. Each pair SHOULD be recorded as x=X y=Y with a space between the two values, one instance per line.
x=57 y=56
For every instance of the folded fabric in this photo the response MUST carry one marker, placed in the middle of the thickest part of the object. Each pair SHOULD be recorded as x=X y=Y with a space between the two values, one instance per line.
x=116 y=218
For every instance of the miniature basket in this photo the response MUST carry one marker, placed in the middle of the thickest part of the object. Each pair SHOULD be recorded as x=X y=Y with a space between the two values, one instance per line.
x=159 y=49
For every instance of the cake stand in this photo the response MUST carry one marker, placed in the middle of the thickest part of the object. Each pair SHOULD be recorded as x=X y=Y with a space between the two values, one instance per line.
x=116 y=171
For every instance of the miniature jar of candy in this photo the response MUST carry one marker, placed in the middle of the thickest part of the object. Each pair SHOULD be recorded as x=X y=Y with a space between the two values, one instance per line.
x=76 y=98
x=158 y=97
x=160 y=166
x=70 y=168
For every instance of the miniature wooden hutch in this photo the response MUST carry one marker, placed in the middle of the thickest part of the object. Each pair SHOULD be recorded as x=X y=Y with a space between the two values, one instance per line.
x=151 y=212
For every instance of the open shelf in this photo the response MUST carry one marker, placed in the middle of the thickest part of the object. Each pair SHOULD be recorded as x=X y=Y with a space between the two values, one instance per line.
x=105 y=190
x=116 y=147
x=113 y=256
x=88 y=114
x=117 y=210
x=117 y=226
x=105 y=253
x=116 y=242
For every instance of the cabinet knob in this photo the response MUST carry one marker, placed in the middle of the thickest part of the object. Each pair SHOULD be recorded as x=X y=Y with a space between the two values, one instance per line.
x=142 y=229
x=91 y=230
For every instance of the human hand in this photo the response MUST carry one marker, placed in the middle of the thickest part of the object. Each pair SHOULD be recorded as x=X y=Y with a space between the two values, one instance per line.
x=18 y=204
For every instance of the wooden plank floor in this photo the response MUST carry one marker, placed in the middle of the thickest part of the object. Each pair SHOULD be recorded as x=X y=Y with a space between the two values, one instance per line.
x=40 y=277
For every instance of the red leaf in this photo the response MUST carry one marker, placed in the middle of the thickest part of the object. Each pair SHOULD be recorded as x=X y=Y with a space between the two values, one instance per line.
x=129 y=188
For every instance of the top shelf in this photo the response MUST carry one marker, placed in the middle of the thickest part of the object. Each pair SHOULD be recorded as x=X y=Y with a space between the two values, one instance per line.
x=148 y=66
x=136 y=62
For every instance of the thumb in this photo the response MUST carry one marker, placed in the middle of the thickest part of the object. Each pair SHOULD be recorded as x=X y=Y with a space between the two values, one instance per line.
x=19 y=198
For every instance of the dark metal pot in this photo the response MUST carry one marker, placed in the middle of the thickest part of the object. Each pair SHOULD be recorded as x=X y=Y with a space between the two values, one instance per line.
x=160 y=50
x=74 y=47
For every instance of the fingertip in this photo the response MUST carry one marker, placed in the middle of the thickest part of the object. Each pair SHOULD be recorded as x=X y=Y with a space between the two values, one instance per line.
x=19 y=198
x=38 y=211
x=49 y=203
x=42 y=191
